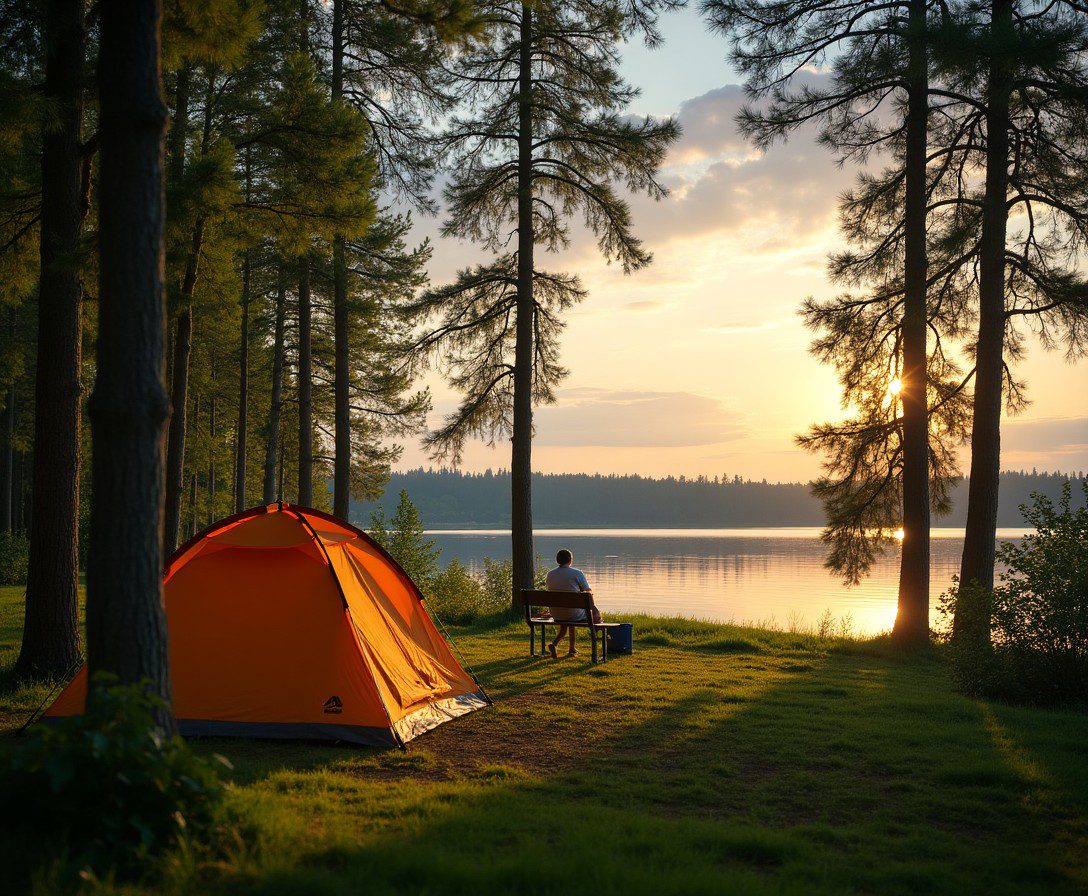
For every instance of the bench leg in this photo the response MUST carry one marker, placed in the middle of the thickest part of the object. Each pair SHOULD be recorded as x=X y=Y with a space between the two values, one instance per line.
x=593 y=636
x=532 y=639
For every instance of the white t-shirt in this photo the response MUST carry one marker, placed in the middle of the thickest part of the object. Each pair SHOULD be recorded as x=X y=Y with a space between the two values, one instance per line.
x=567 y=578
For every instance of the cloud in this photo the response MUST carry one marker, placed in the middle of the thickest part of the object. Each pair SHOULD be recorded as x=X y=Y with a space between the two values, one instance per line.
x=616 y=418
x=720 y=183
x=709 y=128
x=734 y=329
x=647 y=305
x=1055 y=436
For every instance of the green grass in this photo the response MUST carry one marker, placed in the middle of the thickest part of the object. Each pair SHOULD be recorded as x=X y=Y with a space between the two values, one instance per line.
x=716 y=759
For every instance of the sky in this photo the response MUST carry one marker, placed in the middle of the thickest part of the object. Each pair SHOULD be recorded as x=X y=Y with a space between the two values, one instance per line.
x=699 y=364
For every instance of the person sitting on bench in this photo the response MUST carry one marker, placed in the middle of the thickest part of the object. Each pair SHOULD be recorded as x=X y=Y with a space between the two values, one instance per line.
x=566 y=578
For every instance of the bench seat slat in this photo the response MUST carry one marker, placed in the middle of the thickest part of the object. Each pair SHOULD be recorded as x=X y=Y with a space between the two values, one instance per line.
x=550 y=621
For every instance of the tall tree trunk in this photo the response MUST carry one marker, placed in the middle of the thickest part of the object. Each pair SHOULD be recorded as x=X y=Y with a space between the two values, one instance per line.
x=972 y=621
x=51 y=628
x=7 y=449
x=179 y=122
x=18 y=461
x=179 y=389
x=183 y=336
x=243 y=395
x=342 y=376
x=305 y=392
x=211 y=517
x=912 y=619
x=341 y=480
x=272 y=429
x=7 y=462
x=521 y=443
x=192 y=504
x=126 y=624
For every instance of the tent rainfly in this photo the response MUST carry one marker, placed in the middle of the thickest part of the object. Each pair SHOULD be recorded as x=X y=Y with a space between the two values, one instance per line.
x=285 y=622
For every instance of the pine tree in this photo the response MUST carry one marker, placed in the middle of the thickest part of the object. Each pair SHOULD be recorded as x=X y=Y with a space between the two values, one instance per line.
x=892 y=461
x=50 y=632
x=387 y=64
x=126 y=625
x=544 y=137
x=1017 y=88
x=405 y=541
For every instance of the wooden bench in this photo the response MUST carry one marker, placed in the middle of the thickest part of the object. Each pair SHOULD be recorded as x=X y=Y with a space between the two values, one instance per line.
x=572 y=600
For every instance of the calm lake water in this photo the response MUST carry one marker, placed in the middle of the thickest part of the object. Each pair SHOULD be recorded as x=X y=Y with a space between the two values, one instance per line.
x=770 y=576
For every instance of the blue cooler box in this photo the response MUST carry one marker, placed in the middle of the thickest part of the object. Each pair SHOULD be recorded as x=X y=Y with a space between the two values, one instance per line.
x=620 y=639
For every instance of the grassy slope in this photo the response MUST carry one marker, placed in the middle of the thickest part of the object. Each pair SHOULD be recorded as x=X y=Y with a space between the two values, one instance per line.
x=714 y=760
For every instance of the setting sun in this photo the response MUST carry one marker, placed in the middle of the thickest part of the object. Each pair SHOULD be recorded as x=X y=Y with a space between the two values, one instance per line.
x=895 y=386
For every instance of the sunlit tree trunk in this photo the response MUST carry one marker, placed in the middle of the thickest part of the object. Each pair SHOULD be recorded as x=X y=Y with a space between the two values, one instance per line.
x=126 y=624
x=211 y=516
x=305 y=390
x=341 y=487
x=272 y=428
x=243 y=395
x=912 y=618
x=521 y=448
x=51 y=626
x=183 y=340
x=977 y=564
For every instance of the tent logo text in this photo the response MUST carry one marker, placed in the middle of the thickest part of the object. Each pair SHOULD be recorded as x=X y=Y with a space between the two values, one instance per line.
x=334 y=705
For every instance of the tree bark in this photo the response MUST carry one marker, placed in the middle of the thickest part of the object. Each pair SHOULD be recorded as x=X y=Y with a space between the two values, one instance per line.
x=7 y=463
x=341 y=488
x=51 y=627
x=972 y=621
x=272 y=429
x=243 y=395
x=179 y=123
x=211 y=517
x=18 y=461
x=912 y=619
x=183 y=337
x=342 y=377
x=521 y=443
x=305 y=391
x=126 y=624
x=7 y=449
x=179 y=391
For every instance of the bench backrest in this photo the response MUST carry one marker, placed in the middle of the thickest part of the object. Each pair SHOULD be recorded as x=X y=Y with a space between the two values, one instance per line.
x=574 y=600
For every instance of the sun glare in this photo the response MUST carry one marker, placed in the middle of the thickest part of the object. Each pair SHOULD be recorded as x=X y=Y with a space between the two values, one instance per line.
x=898 y=533
x=895 y=386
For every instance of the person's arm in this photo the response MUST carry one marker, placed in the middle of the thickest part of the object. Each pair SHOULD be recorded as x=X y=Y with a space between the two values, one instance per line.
x=583 y=582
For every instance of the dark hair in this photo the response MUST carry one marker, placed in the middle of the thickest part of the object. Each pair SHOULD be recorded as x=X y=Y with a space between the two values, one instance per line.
x=564 y=557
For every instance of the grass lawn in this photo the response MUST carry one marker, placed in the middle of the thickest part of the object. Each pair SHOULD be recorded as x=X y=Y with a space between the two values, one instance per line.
x=714 y=760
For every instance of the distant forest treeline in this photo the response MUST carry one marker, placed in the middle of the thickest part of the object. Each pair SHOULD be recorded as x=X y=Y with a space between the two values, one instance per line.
x=449 y=499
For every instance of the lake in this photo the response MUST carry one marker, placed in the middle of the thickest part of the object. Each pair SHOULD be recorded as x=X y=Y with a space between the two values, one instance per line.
x=767 y=576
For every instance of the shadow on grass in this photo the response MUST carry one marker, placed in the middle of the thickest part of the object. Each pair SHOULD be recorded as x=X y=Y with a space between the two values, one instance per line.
x=834 y=775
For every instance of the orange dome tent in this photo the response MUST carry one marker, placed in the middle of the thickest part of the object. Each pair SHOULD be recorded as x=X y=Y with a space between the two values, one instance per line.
x=285 y=622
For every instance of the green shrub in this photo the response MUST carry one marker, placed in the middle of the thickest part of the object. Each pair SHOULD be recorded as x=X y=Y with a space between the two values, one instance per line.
x=1038 y=612
x=458 y=596
x=14 y=558
x=107 y=789
x=455 y=596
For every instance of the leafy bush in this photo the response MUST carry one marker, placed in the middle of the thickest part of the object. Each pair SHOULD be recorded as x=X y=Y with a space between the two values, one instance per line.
x=455 y=595
x=1038 y=612
x=459 y=597
x=14 y=558
x=107 y=788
